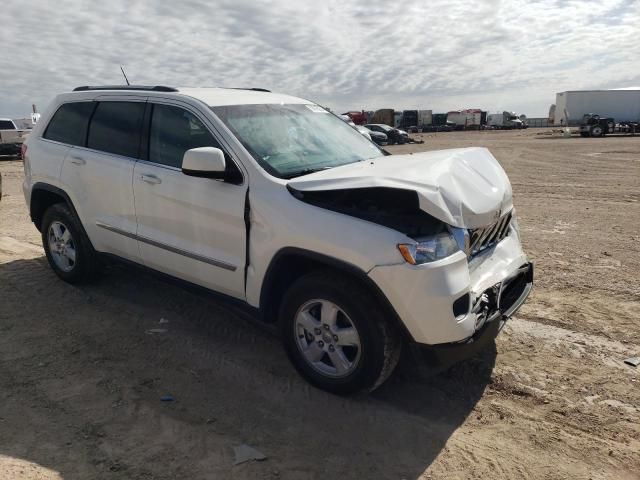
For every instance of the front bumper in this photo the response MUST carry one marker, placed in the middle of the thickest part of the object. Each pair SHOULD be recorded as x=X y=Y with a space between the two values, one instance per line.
x=449 y=353
x=493 y=285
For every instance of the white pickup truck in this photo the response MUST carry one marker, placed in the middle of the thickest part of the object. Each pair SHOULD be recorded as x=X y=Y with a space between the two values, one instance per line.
x=11 y=137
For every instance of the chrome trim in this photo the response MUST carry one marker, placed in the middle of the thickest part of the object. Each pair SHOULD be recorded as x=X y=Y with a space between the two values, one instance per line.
x=169 y=248
x=159 y=165
x=484 y=238
x=117 y=230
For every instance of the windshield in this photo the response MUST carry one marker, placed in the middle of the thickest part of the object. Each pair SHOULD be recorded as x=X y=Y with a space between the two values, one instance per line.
x=293 y=140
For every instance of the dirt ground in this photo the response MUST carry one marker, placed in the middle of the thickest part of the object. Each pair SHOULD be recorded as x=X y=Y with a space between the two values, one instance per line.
x=81 y=376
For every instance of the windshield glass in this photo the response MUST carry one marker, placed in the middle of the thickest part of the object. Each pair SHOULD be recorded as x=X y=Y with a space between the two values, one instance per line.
x=293 y=140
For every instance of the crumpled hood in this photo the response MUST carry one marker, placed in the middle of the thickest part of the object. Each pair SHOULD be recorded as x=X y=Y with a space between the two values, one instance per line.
x=464 y=187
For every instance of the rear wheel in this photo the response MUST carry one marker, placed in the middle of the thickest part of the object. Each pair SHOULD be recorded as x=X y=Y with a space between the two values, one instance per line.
x=336 y=335
x=67 y=247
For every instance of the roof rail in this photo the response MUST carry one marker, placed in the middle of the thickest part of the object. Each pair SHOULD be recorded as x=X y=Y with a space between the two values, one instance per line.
x=151 y=88
x=255 y=89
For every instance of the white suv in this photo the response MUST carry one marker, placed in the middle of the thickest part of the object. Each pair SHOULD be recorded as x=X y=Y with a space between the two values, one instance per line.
x=277 y=203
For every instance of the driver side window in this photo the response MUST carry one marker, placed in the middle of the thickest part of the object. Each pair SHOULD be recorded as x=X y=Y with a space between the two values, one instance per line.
x=173 y=131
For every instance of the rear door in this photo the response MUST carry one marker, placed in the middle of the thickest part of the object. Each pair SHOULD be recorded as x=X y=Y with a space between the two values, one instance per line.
x=191 y=228
x=99 y=175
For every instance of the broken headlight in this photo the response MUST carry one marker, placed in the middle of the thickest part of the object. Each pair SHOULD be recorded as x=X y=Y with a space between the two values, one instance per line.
x=429 y=249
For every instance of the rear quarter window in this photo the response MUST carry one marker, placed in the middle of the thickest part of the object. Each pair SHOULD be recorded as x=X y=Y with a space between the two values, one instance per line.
x=69 y=124
x=116 y=128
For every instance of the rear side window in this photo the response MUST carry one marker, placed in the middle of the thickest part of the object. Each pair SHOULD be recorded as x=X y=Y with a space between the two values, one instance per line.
x=6 y=125
x=115 y=128
x=173 y=132
x=69 y=123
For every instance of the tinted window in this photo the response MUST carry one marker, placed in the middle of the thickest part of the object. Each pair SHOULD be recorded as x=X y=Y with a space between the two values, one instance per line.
x=173 y=132
x=6 y=125
x=69 y=124
x=115 y=128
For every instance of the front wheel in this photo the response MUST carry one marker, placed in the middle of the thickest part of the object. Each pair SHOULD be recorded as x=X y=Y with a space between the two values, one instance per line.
x=596 y=131
x=336 y=335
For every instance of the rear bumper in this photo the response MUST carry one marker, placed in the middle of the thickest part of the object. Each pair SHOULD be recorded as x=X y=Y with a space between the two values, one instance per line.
x=10 y=148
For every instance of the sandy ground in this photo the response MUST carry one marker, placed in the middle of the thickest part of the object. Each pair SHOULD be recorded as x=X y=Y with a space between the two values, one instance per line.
x=81 y=381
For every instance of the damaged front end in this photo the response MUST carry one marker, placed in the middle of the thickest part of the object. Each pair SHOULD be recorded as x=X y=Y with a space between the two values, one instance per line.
x=461 y=270
x=394 y=208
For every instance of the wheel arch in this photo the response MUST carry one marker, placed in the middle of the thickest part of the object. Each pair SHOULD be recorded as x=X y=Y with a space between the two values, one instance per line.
x=43 y=195
x=290 y=263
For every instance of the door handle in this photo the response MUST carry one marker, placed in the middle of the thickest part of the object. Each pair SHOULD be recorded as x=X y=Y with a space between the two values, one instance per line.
x=151 y=179
x=78 y=160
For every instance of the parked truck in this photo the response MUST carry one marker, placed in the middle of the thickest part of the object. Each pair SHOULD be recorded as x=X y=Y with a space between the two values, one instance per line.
x=11 y=137
x=470 y=119
x=359 y=118
x=438 y=123
x=416 y=118
x=385 y=116
x=504 y=121
x=593 y=125
x=409 y=119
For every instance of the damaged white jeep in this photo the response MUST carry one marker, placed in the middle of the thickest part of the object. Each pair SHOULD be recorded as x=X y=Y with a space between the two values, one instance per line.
x=274 y=202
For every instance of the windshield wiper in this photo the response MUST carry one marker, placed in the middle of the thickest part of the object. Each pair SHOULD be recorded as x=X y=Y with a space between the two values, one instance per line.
x=305 y=171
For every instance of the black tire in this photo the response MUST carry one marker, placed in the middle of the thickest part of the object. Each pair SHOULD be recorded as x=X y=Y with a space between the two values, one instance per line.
x=597 y=131
x=86 y=265
x=380 y=340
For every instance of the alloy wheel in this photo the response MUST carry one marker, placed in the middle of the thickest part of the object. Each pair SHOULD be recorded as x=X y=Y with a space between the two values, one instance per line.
x=327 y=338
x=62 y=246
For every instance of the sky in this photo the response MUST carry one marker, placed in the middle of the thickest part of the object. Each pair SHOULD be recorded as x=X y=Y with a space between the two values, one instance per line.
x=348 y=55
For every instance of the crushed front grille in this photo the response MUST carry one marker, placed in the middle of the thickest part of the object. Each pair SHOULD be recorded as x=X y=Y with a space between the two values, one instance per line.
x=482 y=238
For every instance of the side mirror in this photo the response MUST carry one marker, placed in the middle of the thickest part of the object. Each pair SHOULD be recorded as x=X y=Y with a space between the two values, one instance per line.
x=207 y=162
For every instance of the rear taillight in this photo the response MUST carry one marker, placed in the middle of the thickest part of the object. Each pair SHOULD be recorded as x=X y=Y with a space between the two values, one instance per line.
x=23 y=151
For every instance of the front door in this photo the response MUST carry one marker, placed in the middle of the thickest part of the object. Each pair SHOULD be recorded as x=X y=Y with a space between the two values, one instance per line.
x=188 y=227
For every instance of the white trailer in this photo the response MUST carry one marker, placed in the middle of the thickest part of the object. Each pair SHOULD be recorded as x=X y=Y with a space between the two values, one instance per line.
x=465 y=119
x=425 y=117
x=623 y=105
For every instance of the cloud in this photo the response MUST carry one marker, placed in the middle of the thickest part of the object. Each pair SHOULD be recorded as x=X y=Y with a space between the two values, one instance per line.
x=439 y=54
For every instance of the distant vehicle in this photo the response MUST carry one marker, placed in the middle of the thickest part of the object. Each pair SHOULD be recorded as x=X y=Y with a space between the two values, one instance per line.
x=470 y=119
x=409 y=119
x=364 y=131
x=11 y=137
x=595 y=126
x=394 y=135
x=425 y=117
x=359 y=118
x=378 y=137
x=446 y=127
x=397 y=119
x=385 y=116
x=504 y=121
